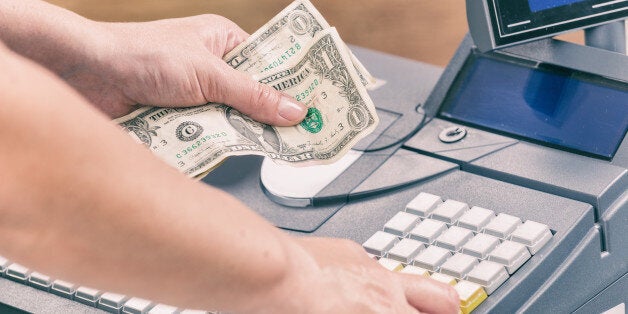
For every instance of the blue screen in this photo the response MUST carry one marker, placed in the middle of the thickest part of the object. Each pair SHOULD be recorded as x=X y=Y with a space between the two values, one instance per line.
x=559 y=108
x=540 y=5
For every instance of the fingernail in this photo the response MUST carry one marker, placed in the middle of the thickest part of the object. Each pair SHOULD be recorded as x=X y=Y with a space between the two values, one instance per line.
x=290 y=110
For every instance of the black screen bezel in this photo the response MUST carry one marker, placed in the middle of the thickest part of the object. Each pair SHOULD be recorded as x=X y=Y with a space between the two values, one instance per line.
x=547 y=22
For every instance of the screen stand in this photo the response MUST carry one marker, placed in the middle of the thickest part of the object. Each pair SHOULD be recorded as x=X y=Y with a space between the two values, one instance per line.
x=610 y=37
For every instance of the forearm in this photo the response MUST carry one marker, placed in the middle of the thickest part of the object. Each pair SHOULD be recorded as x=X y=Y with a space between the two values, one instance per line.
x=84 y=203
x=54 y=37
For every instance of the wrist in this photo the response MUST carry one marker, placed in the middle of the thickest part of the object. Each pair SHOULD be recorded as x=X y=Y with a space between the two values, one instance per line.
x=299 y=273
x=51 y=36
x=88 y=50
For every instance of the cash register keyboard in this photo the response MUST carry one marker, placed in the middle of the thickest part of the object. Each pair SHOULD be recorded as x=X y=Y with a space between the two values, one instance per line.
x=110 y=302
x=471 y=248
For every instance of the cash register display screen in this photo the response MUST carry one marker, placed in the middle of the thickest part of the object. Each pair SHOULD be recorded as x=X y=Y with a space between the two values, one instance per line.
x=540 y=5
x=557 y=107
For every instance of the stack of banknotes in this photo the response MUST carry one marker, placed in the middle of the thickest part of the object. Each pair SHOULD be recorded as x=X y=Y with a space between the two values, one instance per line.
x=296 y=52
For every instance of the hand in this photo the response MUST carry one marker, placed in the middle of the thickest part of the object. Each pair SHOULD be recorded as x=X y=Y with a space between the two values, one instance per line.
x=176 y=62
x=348 y=281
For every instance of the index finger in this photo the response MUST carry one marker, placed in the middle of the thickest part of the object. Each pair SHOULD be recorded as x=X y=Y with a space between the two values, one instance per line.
x=429 y=296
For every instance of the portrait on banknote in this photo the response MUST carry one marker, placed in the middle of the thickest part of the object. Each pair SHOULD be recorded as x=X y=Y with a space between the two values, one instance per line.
x=261 y=134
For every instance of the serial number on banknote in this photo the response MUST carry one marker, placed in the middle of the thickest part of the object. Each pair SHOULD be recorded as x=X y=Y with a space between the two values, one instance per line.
x=199 y=143
x=302 y=95
x=284 y=57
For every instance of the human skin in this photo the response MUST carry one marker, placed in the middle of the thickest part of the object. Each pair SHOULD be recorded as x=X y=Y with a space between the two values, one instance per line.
x=81 y=201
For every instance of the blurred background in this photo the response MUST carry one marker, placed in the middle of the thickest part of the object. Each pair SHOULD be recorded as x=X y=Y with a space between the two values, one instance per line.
x=418 y=29
x=423 y=30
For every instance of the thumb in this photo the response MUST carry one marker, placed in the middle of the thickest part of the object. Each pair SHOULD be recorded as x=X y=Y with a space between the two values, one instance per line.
x=256 y=100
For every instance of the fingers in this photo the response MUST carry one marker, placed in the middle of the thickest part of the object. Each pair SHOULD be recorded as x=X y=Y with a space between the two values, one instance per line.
x=260 y=102
x=218 y=33
x=235 y=35
x=408 y=293
x=429 y=296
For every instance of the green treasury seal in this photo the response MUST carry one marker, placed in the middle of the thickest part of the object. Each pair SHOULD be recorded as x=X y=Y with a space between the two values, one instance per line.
x=313 y=121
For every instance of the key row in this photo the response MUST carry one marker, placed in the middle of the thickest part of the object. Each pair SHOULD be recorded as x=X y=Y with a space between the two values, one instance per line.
x=505 y=259
x=475 y=220
x=481 y=247
x=107 y=301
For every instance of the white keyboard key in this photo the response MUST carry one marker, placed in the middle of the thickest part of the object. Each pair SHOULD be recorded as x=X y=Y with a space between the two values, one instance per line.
x=406 y=250
x=454 y=238
x=18 y=272
x=137 y=306
x=163 y=309
x=3 y=264
x=63 y=288
x=480 y=245
x=510 y=254
x=532 y=234
x=502 y=225
x=432 y=257
x=112 y=302
x=446 y=279
x=476 y=218
x=401 y=224
x=423 y=204
x=415 y=270
x=40 y=281
x=87 y=295
x=428 y=230
x=459 y=265
x=488 y=274
x=449 y=211
x=390 y=264
x=380 y=243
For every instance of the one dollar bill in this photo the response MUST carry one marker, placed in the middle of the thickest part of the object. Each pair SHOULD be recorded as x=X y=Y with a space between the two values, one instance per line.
x=340 y=113
x=282 y=39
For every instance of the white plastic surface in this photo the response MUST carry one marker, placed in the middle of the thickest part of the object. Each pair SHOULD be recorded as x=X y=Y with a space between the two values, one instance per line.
x=284 y=181
x=432 y=257
x=428 y=230
x=406 y=250
x=480 y=245
x=380 y=243
x=401 y=223
x=454 y=238
x=423 y=204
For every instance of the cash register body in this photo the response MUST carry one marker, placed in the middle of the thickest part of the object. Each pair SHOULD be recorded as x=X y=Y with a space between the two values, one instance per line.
x=582 y=198
x=579 y=189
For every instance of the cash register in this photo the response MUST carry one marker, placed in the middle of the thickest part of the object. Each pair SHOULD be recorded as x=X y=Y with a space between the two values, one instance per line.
x=504 y=175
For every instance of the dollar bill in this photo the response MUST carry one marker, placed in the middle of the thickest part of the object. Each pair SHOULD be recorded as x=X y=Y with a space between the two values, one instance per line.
x=340 y=113
x=283 y=39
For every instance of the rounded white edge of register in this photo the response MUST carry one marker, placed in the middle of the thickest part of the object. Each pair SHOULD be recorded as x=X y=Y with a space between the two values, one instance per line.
x=297 y=186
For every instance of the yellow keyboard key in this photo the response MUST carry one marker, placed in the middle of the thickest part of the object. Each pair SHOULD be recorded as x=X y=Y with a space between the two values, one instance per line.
x=471 y=295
